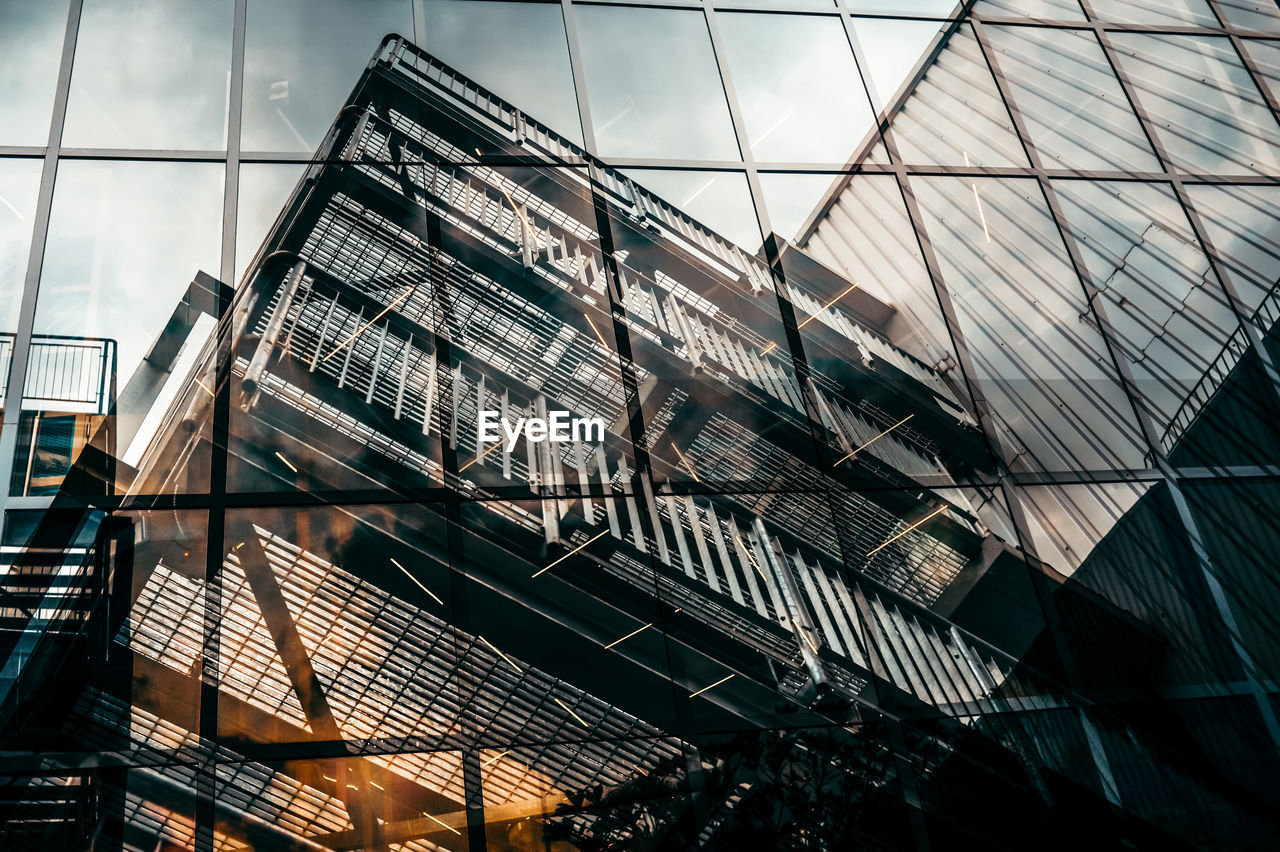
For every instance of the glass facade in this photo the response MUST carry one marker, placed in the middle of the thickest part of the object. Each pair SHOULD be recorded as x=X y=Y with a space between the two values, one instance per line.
x=918 y=375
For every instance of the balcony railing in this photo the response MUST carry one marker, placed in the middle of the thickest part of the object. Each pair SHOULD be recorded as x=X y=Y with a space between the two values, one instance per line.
x=73 y=374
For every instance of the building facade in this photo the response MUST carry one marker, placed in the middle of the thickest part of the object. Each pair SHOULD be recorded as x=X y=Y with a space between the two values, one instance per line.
x=930 y=353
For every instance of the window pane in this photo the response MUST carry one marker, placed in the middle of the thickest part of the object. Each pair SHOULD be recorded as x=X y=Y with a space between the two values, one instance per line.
x=798 y=86
x=719 y=200
x=1266 y=58
x=125 y=240
x=1072 y=103
x=1205 y=107
x=1242 y=226
x=264 y=189
x=1053 y=10
x=791 y=199
x=151 y=74
x=955 y=115
x=1261 y=15
x=517 y=50
x=19 y=186
x=1046 y=373
x=302 y=58
x=889 y=51
x=653 y=85
x=1166 y=12
x=932 y=8
x=1168 y=315
x=30 y=48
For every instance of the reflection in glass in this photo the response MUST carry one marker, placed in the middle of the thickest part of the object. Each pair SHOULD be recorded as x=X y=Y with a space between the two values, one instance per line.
x=929 y=8
x=1242 y=226
x=1163 y=12
x=301 y=57
x=1166 y=311
x=1266 y=58
x=1068 y=521
x=792 y=198
x=516 y=50
x=867 y=235
x=955 y=115
x=720 y=200
x=1050 y=10
x=1250 y=15
x=264 y=189
x=1070 y=100
x=125 y=240
x=1042 y=365
x=798 y=87
x=30 y=50
x=653 y=85
x=1203 y=104
x=151 y=75
x=19 y=184
x=889 y=50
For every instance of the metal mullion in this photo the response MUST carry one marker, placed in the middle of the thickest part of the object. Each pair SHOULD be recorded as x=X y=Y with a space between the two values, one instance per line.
x=21 y=350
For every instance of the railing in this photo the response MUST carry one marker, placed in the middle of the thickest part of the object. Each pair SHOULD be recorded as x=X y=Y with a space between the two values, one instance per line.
x=63 y=372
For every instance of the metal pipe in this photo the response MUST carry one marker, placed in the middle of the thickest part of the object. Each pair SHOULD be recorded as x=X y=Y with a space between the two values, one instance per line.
x=258 y=364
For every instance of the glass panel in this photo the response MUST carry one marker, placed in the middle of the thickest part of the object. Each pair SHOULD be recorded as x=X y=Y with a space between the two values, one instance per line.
x=1250 y=14
x=125 y=240
x=19 y=186
x=641 y=107
x=1203 y=103
x=30 y=50
x=923 y=8
x=172 y=93
x=1241 y=224
x=1159 y=12
x=516 y=50
x=302 y=57
x=1052 y=10
x=798 y=87
x=955 y=115
x=720 y=200
x=792 y=199
x=1266 y=58
x=889 y=51
x=873 y=334
x=1169 y=317
x=1046 y=374
x=263 y=190
x=1238 y=521
x=1071 y=102
x=778 y=4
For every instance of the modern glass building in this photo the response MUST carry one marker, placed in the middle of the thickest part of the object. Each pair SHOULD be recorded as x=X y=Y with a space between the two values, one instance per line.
x=456 y=424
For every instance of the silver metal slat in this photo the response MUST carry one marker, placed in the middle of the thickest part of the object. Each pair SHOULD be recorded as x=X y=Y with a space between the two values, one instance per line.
x=825 y=584
x=633 y=511
x=584 y=484
x=695 y=521
x=610 y=507
x=404 y=376
x=377 y=360
x=815 y=603
x=660 y=537
x=717 y=538
x=324 y=331
x=748 y=568
x=677 y=525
